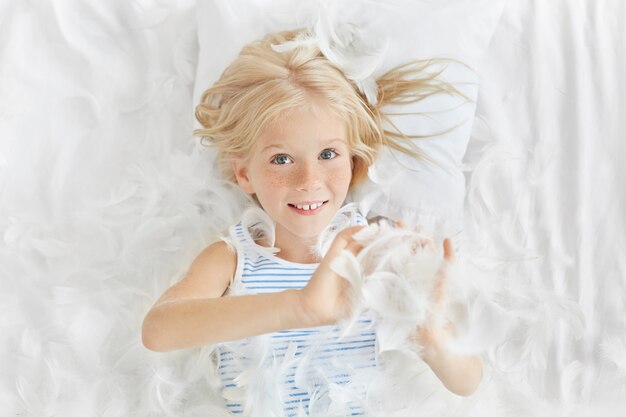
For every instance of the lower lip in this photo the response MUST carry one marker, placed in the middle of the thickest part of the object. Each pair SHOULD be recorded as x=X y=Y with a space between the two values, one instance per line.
x=308 y=212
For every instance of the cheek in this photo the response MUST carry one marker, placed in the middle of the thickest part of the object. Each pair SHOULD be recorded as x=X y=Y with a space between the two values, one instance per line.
x=341 y=174
x=274 y=180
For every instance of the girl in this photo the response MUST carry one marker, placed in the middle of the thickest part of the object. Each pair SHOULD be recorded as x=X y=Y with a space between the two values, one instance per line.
x=295 y=134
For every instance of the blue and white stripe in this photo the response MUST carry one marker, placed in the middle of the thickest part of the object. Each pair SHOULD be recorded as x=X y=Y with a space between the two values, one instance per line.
x=260 y=273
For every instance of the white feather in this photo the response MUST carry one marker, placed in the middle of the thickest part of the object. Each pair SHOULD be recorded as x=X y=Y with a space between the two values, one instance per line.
x=260 y=226
x=345 y=217
x=105 y=201
x=397 y=280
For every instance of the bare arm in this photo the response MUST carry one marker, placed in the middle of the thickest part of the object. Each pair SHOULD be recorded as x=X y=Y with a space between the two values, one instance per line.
x=193 y=312
x=459 y=374
x=197 y=322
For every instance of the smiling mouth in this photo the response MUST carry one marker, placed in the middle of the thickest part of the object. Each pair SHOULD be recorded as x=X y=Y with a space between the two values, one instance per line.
x=308 y=207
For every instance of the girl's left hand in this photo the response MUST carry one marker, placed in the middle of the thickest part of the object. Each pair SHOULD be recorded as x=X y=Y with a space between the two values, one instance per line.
x=433 y=333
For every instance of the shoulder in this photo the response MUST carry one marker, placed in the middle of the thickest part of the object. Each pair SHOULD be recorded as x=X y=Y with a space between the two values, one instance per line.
x=213 y=269
x=220 y=247
x=208 y=276
x=220 y=258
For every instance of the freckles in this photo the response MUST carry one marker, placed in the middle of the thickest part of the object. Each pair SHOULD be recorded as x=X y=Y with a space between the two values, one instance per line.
x=340 y=173
x=279 y=181
x=275 y=180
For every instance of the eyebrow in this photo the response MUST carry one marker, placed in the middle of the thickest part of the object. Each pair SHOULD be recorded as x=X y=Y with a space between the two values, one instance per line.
x=277 y=146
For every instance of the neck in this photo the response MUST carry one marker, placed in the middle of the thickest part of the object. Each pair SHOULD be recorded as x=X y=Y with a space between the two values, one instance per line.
x=294 y=248
x=302 y=255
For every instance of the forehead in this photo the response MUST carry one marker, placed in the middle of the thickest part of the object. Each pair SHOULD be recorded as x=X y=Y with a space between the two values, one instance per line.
x=307 y=125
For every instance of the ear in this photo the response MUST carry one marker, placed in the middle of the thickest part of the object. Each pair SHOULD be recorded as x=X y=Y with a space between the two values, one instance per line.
x=240 y=169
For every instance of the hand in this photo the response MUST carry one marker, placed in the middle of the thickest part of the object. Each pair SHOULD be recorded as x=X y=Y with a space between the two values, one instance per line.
x=434 y=334
x=326 y=297
x=425 y=242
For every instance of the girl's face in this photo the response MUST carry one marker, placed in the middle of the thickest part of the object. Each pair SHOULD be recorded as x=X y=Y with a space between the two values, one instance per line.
x=298 y=164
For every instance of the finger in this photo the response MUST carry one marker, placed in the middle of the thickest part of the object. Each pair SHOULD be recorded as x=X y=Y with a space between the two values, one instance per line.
x=439 y=285
x=448 y=251
x=349 y=231
x=346 y=235
x=421 y=241
x=348 y=241
x=439 y=289
x=354 y=247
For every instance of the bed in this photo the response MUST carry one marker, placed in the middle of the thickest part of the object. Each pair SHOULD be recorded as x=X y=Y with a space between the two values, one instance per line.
x=104 y=198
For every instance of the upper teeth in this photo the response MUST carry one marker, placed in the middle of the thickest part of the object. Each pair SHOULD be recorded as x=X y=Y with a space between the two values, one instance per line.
x=308 y=206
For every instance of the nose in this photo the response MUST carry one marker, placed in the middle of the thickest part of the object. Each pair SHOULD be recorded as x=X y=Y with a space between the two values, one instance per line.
x=308 y=177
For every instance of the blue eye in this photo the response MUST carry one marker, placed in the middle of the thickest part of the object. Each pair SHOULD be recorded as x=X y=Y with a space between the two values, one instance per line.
x=281 y=159
x=328 y=154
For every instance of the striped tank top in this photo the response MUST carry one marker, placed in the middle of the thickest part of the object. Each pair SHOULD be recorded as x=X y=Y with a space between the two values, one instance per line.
x=296 y=372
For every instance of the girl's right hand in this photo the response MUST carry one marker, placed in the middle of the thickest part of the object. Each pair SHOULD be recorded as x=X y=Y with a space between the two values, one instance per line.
x=326 y=297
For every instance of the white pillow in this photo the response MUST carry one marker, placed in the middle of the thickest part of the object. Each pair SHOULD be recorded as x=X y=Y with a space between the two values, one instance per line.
x=398 y=187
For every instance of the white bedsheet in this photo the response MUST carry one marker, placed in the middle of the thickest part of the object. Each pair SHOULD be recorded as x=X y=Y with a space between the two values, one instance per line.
x=104 y=201
x=547 y=192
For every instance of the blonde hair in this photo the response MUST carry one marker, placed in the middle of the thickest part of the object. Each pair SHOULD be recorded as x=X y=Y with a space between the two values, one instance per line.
x=261 y=85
